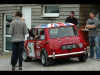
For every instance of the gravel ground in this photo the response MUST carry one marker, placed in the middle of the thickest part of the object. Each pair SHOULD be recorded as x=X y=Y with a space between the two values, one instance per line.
x=60 y=65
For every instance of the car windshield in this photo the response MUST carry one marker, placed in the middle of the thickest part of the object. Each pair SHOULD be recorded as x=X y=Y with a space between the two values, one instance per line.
x=63 y=32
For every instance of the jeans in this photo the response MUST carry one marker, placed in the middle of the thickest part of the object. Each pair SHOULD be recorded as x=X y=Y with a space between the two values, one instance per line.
x=17 y=53
x=95 y=40
x=11 y=60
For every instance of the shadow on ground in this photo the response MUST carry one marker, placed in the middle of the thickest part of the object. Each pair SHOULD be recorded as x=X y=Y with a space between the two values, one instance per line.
x=59 y=61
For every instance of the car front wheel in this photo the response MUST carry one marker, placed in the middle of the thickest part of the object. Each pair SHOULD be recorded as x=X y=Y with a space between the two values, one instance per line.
x=44 y=58
x=83 y=58
x=25 y=56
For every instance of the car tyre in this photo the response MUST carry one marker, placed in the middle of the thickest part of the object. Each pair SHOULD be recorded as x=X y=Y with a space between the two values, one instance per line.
x=45 y=60
x=25 y=56
x=83 y=58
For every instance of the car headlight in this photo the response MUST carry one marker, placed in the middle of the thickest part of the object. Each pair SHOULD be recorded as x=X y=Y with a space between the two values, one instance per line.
x=80 y=45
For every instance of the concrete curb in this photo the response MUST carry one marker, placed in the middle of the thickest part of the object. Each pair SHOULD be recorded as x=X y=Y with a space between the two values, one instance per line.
x=5 y=53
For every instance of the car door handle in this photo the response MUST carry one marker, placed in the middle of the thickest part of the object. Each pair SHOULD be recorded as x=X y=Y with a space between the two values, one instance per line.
x=47 y=42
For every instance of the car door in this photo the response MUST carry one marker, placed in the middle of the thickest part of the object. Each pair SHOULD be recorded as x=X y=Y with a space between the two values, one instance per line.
x=31 y=44
x=40 y=41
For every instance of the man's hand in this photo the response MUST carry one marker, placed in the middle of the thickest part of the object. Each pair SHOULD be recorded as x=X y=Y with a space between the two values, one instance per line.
x=36 y=36
x=90 y=26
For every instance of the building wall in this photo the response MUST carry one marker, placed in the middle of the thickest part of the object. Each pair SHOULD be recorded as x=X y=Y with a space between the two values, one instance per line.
x=9 y=9
x=64 y=11
x=81 y=13
x=1 y=29
x=84 y=12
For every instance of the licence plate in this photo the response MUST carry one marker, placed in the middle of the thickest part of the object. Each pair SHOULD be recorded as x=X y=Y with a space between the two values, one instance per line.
x=68 y=47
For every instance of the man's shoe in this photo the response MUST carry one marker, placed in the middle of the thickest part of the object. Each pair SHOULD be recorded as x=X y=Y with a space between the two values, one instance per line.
x=91 y=57
x=13 y=68
x=98 y=59
x=20 y=68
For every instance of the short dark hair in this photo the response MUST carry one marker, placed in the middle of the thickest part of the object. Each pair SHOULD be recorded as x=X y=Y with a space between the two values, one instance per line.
x=93 y=13
x=72 y=12
x=18 y=13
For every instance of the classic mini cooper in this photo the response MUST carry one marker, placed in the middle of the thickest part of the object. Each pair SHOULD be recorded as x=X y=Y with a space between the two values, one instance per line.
x=55 y=41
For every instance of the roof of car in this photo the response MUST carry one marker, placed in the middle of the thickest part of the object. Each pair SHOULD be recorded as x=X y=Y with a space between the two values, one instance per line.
x=52 y=25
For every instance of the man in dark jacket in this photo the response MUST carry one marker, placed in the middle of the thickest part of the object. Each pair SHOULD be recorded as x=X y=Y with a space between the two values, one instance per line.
x=71 y=18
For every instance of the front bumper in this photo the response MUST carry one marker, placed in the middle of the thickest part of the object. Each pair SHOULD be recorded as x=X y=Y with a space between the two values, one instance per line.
x=57 y=55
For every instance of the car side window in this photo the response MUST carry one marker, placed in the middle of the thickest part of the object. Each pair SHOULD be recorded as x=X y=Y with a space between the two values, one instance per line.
x=41 y=34
x=34 y=32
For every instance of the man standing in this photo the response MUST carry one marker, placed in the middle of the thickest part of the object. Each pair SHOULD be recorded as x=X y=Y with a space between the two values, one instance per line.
x=93 y=26
x=71 y=18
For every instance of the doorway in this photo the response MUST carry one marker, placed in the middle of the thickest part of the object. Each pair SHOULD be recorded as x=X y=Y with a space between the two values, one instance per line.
x=7 y=36
x=26 y=10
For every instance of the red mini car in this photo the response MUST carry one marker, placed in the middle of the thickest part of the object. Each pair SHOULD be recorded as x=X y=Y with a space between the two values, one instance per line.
x=55 y=41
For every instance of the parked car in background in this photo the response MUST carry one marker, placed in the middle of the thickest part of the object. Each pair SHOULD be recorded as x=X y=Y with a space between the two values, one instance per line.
x=55 y=41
